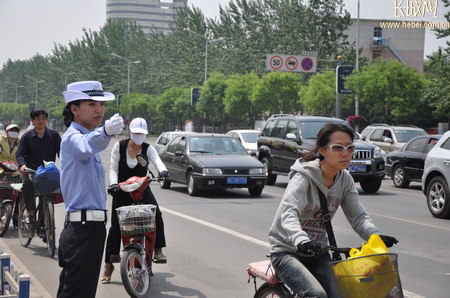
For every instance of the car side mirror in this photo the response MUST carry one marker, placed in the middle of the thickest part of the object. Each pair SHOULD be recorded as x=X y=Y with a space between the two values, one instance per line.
x=253 y=154
x=388 y=140
x=363 y=137
x=291 y=137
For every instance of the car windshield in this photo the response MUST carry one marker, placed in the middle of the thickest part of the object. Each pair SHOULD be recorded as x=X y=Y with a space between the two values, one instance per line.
x=216 y=145
x=310 y=129
x=250 y=137
x=404 y=135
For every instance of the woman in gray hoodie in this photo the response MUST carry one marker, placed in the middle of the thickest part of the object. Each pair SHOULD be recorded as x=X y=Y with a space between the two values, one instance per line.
x=299 y=229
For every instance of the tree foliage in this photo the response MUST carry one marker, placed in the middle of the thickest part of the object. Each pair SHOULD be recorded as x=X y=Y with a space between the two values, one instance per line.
x=387 y=87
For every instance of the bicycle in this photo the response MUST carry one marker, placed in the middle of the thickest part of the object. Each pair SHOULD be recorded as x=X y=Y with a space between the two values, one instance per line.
x=351 y=283
x=8 y=194
x=45 y=224
x=138 y=230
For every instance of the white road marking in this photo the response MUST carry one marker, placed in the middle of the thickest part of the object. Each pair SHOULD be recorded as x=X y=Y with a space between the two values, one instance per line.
x=219 y=228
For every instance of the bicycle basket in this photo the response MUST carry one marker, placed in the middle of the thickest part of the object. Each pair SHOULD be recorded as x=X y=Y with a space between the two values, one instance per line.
x=47 y=183
x=136 y=219
x=374 y=276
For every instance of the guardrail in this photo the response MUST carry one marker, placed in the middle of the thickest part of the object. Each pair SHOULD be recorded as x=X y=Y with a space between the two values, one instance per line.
x=13 y=284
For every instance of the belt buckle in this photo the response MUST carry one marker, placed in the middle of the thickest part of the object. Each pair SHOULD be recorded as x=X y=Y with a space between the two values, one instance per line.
x=98 y=215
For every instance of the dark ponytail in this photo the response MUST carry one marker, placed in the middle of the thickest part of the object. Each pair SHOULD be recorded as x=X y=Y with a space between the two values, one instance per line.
x=67 y=113
x=323 y=138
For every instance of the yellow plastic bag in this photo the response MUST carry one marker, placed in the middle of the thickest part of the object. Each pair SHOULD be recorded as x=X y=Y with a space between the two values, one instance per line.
x=368 y=273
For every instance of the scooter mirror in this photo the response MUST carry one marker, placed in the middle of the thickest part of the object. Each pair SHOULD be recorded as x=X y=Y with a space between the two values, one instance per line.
x=142 y=160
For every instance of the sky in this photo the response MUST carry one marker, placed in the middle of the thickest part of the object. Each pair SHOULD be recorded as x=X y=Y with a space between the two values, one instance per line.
x=28 y=27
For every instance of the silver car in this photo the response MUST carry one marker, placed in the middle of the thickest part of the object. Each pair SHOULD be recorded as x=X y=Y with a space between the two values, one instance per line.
x=436 y=178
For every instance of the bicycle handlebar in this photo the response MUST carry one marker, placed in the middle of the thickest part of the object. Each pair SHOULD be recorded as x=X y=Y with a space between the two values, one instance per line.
x=28 y=170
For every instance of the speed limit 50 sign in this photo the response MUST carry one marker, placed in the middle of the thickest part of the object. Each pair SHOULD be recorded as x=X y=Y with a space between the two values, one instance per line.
x=291 y=63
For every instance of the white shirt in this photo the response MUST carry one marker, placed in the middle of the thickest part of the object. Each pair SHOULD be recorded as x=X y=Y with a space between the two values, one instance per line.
x=152 y=156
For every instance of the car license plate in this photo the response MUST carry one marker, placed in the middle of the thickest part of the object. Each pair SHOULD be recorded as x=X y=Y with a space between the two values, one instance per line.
x=236 y=180
x=357 y=168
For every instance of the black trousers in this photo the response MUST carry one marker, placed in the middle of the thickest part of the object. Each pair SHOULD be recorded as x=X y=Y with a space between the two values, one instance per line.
x=28 y=193
x=80 y=256
x=114 y=237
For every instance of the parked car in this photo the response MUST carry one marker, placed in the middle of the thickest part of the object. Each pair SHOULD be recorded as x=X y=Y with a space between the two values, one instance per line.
x=211 y=161
x=165 y=138
x=285 y=138
x=407 y=163
x=391 y=138
x=247 y=137
x=436 y=178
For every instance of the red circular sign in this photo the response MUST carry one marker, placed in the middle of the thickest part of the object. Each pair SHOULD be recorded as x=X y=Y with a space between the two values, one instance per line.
x=276 y=62
x=307 y=64
x=291 y=63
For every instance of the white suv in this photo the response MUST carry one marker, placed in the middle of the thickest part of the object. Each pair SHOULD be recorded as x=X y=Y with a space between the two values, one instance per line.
x=436 y=178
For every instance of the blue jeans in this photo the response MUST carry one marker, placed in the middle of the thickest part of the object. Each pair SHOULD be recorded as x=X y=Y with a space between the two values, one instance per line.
x=306 y=276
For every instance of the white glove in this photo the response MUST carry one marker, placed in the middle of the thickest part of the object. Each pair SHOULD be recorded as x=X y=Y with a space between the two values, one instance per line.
x=114 y=125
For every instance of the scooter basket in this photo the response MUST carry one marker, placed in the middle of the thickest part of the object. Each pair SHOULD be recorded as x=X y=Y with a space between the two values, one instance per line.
x=374 y=276
x=7 y=179
x=136 y=219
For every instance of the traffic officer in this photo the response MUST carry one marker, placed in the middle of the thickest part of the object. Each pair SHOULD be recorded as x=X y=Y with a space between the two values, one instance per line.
x=83 y=187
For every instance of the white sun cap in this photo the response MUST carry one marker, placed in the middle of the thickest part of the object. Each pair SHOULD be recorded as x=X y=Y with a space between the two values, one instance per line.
x=138 y=125
x=86 y=90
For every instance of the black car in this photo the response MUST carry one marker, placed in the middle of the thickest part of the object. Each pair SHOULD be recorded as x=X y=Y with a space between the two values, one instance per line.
x=211 y=161
x=286 y=138
x=407 y=163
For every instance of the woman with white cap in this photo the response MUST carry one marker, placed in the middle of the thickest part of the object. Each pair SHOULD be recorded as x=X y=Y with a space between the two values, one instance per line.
x=9 y=143
x=83 y=187
x=123 y=166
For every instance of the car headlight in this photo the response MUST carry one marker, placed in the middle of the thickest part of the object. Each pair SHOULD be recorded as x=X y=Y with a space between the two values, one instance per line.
x=256 y=171
x=211 y=171
x=378 y=153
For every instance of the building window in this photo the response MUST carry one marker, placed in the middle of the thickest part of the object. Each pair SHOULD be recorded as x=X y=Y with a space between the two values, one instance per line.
x=377 y=32
x=376 y=54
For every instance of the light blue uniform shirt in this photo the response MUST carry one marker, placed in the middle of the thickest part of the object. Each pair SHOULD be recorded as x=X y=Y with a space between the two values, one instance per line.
x=82 y=171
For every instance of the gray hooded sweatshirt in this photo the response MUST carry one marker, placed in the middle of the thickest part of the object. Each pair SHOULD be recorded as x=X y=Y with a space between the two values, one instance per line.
x=299 y=216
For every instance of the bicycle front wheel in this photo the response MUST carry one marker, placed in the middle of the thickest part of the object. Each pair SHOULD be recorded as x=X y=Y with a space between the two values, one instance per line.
x=5 y=217
x=135 y=280
x=49 y=213
x=26 y=231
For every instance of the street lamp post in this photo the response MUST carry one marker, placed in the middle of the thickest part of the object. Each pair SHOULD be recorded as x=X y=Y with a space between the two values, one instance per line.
x=129 y=63
x=17 y=86
x=41 y=81
x=1 y=95
x=65 y=75
x=357 y=65
x=205 y=36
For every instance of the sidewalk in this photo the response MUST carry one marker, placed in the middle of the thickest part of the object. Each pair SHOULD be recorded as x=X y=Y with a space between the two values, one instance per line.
x=37 y=290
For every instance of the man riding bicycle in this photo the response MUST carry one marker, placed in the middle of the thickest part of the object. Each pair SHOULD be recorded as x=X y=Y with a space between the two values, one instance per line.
x=36 y=145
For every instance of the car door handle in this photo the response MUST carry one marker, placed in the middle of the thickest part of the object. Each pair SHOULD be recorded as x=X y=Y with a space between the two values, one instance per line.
x=447 y=162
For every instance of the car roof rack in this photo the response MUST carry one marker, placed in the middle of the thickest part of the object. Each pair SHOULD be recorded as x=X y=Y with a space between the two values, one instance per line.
x=281 y=115
x=323 y=115
x=379 y=124
x=407 y=125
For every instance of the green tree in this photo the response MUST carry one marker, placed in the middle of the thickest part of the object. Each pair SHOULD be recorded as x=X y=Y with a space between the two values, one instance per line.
x=319 y=97
x=238 y=103
x=211 y=101
x=277 y=92
x=387 y=87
